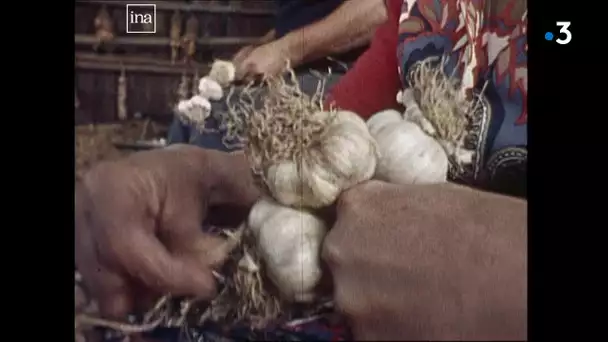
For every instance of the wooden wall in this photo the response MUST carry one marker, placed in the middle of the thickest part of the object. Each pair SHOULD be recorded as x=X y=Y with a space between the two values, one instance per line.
x=152 y=78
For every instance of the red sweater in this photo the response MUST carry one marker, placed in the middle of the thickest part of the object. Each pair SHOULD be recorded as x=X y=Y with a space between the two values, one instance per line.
x=373 y=82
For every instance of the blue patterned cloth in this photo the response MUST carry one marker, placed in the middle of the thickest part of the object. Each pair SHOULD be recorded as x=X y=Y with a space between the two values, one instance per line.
x=486 y=46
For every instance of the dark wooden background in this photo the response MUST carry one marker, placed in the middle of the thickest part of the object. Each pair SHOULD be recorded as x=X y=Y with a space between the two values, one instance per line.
x=145 y=59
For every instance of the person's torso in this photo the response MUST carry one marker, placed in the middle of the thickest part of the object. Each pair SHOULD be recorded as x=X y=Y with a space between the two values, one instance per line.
x=295 y=14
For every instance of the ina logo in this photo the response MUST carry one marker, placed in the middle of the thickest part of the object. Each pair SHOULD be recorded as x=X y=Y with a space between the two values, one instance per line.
x=141 y=18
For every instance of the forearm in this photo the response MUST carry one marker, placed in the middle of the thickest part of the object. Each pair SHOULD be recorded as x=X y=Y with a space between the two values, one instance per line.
x=350 y=25
x=346 y=46
x=268 y=37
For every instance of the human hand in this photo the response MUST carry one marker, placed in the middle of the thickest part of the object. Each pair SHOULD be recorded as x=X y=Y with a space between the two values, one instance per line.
x=269 y=59
x=138 y=224
x=238 y=58
x=429 y=262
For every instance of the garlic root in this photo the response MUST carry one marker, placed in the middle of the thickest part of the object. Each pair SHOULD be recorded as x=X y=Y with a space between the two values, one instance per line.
x=419 y=146
x=305 y=155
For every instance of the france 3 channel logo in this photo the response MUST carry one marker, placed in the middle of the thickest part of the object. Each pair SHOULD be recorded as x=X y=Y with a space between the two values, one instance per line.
x=565 y=36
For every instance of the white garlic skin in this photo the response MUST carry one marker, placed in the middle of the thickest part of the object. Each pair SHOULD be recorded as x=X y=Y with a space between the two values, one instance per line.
x=196 y=109
x=184 y=106
x=407 y=154
x=210 y=89
x=289 y=241
x=346 y=157
x=223 y=72
x=200 y=101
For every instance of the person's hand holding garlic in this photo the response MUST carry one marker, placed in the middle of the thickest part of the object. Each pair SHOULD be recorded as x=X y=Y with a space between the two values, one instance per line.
x=429 y=262
x=138 y=224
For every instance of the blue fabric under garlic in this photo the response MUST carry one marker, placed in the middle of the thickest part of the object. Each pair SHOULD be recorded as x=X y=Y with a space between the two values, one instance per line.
x=499 y=135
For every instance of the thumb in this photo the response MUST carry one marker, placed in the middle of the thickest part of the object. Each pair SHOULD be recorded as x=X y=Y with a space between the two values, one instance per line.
x=145 y=258
x=213 y=250
x=244 y=68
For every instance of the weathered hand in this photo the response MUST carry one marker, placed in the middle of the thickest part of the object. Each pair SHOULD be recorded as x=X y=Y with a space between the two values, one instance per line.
x=429 y=262
x=265 y=60
x=240 y=56
x=138 y=224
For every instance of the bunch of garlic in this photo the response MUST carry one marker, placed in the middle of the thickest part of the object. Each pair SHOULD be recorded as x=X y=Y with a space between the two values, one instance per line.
x=340 y=156
x=408 y=154
x=290 y=242
x=343 y=156
x=409 y=151
x=198 y=108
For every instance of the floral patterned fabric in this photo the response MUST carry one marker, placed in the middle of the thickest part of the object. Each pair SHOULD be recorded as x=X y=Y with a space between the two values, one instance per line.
x=486 y=47
x=323 y=328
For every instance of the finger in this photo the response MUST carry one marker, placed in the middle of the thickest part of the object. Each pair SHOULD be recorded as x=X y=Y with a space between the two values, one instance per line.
x=113 y=294
x=146 y=298
x=241 y=55
x=206 y=249
x=145 y=258
x=241 y=72
x=185 y=238
x=100 y=283
x=246 y=70
x=84 y=248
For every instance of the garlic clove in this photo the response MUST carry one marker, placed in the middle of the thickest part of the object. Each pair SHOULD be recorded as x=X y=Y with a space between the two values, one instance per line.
x=289 y=241
x=200 y=101
x=380 y=120
x=352 y=152
x=400 y=97
x=261 y=211
x=410 y=156
x=284 y=183
x=210 y=89
x=322 y=188
x=351 y=117
x=184 y=106
x=223 y=72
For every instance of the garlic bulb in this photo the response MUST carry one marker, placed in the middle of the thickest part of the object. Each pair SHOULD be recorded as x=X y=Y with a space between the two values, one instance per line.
x=194 y=110
x=184 y=105
x=407 y=154
x=344 y=156
x=200 y=101
x=223 y=72
x=210 y=89
x=289 y=241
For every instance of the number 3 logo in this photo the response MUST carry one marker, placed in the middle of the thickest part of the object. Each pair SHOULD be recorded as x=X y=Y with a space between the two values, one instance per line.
x=564 y=25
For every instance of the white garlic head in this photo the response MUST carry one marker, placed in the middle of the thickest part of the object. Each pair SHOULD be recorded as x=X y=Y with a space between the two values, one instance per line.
x=195 y=110
x=223 y=72
x=184 y=105
x=210 y=89
x=289 y=241
x=343 y=157
x=407 y=154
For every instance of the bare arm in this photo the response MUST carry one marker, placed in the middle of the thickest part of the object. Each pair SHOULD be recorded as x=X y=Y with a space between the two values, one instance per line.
x=268 y=37
x=350 y=25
